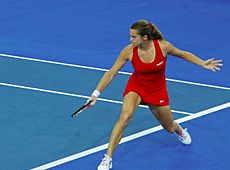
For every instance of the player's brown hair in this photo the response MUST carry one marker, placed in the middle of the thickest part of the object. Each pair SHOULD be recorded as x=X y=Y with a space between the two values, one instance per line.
x=147 y=28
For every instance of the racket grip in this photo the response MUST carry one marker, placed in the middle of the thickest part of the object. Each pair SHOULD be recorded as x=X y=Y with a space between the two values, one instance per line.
x=89 y=102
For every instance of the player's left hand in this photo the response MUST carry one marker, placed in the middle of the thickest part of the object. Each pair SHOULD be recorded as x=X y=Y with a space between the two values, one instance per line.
x=212 y=64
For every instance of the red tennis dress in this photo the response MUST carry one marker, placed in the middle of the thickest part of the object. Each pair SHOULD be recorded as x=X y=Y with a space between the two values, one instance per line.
x=148 y=79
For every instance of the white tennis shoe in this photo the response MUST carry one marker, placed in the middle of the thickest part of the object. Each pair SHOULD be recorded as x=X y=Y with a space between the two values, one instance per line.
x=185 y=138
x=106 y=163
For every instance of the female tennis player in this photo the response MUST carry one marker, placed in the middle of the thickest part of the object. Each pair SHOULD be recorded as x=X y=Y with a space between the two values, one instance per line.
x=147 y=84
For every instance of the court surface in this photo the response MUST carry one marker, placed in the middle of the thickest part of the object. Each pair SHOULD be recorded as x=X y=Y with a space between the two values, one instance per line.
x=37 y=126
x=51 y=59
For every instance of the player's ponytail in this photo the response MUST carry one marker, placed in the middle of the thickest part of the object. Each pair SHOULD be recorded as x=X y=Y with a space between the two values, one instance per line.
x=147 y=28
x=155 y=34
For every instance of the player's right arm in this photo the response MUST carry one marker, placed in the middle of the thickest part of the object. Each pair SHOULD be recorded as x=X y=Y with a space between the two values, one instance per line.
x=124 y=56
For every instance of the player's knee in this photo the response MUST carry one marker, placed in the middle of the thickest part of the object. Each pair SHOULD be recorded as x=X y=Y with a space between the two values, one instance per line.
x=125 y=119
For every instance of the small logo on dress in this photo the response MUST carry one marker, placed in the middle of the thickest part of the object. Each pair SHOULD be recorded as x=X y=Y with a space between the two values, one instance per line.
x=161 y=101
x=160 y=63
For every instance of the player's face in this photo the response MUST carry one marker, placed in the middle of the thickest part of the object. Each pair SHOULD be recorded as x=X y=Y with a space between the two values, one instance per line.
x=135 y=38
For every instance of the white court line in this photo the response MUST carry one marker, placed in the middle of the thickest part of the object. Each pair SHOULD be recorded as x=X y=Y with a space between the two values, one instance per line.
x=131 y=137
x=75 y=95
x=101 y=69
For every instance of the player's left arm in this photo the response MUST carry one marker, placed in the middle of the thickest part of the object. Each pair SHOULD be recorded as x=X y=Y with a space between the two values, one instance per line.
x=210 y=64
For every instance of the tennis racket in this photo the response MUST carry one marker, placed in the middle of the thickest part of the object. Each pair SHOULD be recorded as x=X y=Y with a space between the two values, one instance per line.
x=85 y=106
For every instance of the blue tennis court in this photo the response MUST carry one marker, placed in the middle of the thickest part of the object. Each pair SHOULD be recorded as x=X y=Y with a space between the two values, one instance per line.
x=52 y=55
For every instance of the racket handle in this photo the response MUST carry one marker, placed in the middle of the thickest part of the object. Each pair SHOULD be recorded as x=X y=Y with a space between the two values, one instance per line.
x=89 y=102
x=81 y=109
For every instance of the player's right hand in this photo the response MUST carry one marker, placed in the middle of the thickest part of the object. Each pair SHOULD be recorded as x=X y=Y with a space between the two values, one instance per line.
x=93 y=103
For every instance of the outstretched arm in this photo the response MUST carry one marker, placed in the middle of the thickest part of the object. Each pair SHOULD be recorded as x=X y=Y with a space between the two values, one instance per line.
x=109 y=75
x=210 y=64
